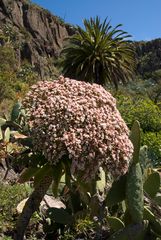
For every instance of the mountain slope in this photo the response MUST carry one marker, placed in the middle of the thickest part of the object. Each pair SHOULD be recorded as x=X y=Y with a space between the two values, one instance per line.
x=148 y=56
x=37 y=35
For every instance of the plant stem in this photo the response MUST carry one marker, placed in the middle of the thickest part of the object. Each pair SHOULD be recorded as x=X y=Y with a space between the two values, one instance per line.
x=31 y=206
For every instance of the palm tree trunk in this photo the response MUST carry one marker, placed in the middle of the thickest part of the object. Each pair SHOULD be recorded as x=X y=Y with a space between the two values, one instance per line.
x=97 y=75
x=31 y=206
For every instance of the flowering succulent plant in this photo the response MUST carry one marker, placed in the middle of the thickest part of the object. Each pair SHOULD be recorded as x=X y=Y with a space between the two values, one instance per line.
x=78 y=119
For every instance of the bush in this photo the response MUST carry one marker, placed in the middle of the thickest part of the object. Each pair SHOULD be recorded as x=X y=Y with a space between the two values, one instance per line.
x=143 y=110
x=153 y=141
x=10 y=196
x=149 y=116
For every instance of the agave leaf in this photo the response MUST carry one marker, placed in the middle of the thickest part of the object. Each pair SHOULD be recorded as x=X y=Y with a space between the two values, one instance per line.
x=135 y=138
x=152 y=184
x=27 y=174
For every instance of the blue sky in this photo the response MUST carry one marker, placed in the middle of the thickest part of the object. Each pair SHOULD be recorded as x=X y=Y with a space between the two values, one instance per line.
x=140 y=18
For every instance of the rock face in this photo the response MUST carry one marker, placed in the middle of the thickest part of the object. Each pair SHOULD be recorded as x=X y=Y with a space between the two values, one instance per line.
x=39 y=35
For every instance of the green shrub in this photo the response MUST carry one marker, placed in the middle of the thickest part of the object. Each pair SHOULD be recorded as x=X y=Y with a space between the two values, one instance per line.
x=10 y=196
x=149 y=116
x=143 y=110
x=153 y=141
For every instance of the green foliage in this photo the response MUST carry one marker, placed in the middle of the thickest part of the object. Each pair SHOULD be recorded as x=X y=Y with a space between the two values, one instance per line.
x=27 y=74
x=143 y=110
x=14 y=81
x=153 y=141
x=10 y=34
x=149 y=116
x=84 y=226
x=10 y=196
x=7 y=75
x=6 y=238
x=7 y=58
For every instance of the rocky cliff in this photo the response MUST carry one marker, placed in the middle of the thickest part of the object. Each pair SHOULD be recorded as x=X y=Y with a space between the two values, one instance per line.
x=37 y=35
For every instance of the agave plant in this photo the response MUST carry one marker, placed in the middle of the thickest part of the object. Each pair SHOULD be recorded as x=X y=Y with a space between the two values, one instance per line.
x=99 y=53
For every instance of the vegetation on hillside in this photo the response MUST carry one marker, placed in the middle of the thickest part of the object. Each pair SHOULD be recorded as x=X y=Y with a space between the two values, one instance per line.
x=15 y=79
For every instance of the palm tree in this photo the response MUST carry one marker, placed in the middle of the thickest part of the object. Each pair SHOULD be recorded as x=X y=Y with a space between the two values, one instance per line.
x=99 y=54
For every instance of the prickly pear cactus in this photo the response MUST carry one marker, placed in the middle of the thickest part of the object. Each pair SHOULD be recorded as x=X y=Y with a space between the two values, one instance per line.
x=152 y=184
x=116 y=193
x=134 y=193
x=135 y=138
x=131 y=232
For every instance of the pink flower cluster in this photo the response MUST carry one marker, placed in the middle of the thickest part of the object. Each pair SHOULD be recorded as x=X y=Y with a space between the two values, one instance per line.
x=80 y=119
